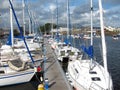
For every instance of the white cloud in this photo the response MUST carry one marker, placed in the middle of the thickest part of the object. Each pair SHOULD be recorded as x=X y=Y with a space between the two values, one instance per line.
x=52 y=7
x=80 y=13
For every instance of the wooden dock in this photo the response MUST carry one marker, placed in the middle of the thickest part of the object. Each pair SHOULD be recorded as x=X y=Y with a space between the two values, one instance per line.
x=54 y=72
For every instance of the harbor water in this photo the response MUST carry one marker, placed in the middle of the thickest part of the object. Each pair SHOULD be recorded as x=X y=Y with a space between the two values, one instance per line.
x=113 y=55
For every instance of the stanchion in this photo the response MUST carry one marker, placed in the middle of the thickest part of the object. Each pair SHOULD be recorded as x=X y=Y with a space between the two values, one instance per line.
x=46 y=84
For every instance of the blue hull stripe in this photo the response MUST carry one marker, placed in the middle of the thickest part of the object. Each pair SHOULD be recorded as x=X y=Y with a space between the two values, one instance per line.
x=9 y=76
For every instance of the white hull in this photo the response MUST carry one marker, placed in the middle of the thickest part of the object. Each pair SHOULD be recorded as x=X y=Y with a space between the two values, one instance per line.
x=86 y=37
x=16 y=77
x=82 y=79
x=67 y=51
x=115 y=38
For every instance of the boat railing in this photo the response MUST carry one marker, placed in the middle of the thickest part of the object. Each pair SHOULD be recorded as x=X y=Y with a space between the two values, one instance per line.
x=95 y=86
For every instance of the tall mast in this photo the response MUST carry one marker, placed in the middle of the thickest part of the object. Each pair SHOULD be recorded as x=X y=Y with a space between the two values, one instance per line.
x=23 y=4
x=68 y=19
x=30 y=20
x=29 y=26
x=52 y=24
x=11 y=25
x=91 y=7
x=34 y=23
x=21 y=31
x=32 y=26
x=57 y=19
x=103 y=36
x=103 y=43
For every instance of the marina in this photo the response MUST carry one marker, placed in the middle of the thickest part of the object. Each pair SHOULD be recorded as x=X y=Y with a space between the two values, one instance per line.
x=113 y=61
x=53 y=71
x=49 y=56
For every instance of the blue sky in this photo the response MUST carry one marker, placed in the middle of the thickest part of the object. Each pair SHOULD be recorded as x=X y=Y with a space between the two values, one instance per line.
x=80 y=11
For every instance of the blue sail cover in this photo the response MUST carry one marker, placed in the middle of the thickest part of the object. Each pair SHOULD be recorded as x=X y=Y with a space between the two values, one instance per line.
x=9 y=40
x=57 y=37
x=88 y=50
x=68 y=41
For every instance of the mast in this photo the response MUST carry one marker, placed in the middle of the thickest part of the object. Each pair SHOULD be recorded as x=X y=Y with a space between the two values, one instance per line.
x=68 y=20
x=21 y=31
x=23 y=4
x=91 y=8
x=52 y=24
x=33 y=26
x=91 y=22
x=57 y=19
x=29 y=26
x=11 y=25
x=103 y=36
x=103 y=43
x=30 y=20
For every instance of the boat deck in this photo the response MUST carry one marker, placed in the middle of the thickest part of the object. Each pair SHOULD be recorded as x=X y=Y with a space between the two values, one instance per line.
x=54 y=72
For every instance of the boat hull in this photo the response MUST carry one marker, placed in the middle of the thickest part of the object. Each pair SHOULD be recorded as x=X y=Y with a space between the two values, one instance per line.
x=84 y=79
x=16 y=78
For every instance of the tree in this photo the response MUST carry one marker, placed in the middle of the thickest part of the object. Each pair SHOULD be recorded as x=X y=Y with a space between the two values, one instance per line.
x=47 y=28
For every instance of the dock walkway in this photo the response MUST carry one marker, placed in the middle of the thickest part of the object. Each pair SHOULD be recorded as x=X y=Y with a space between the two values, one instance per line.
x=54 y=72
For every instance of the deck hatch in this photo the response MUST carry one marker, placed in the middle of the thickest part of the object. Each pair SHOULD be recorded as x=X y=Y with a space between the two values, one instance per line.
x=93 y=72
x=1 y=72
x=96 y=79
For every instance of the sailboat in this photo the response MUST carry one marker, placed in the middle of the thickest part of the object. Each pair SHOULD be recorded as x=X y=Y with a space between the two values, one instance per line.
x=16 y=71
x=88 y=74
x=63 y=50
x=33 y=40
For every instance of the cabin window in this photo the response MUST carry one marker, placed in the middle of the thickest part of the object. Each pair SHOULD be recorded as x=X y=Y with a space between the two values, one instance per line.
x=64 y=45
x=93 y=72
x=1 y=72
x=79 y=53
x=62 y=53
x=96 y=79
x=68 y=51
x=58 y=45
x=71 y=53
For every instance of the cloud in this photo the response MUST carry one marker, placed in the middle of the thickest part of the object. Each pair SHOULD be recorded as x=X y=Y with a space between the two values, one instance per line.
x=52 y=7
x=112 y=16
x=112 y=2
x=79 y=10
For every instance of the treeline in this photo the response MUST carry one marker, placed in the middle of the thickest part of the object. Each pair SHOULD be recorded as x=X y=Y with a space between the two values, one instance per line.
x=46 y=28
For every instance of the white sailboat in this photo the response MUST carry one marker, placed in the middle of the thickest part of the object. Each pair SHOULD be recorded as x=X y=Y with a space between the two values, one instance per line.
x=32 y=40
x=9 y=76
x=68 y=52
x=63 y=50
x=17 y=44
x=88 y=74
x=16 y=71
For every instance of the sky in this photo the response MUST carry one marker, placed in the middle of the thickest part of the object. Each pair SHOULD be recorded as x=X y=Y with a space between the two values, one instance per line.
x=44 y=11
